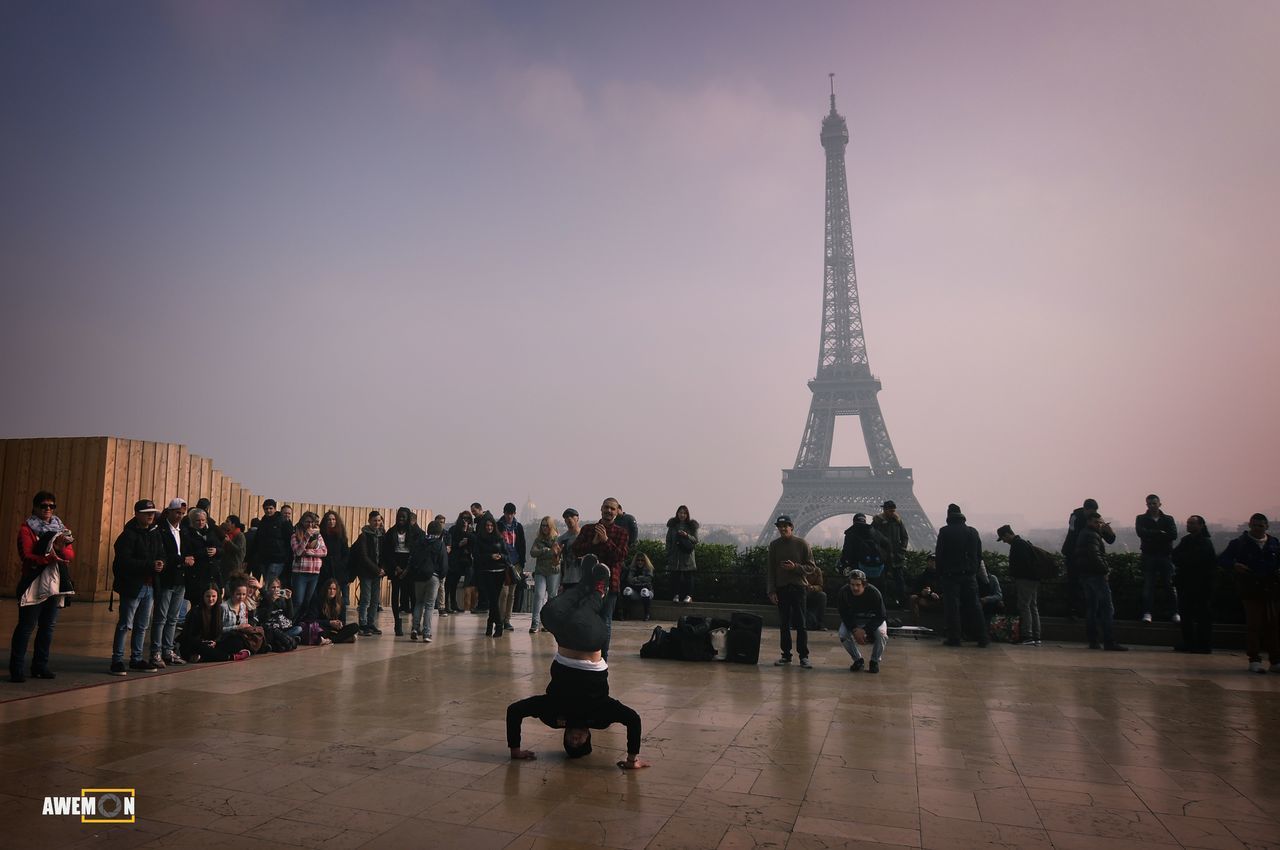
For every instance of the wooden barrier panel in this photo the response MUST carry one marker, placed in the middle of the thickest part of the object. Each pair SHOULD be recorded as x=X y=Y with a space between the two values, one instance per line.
x=96 y=480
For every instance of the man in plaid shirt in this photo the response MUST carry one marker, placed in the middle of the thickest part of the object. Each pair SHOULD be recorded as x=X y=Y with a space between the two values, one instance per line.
x=608 y=541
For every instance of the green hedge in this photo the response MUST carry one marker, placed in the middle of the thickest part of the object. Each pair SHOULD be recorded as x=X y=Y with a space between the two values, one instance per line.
x=730 y=575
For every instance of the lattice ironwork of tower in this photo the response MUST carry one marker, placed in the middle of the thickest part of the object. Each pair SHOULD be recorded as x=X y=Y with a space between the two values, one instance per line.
x=844 y=386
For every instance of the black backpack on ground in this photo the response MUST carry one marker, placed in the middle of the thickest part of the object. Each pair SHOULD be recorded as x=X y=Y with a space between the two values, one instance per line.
x=742 y=642
x=659 y=645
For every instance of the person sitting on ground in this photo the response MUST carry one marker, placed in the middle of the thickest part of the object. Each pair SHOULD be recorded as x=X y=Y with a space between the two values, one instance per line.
x=202 y=637
x=989 y=592
x=577 y=697
x=926 y=596
x=863 y=620
x=239 y=631
x=275 y=611
x=638 y=584
x=815 y=600
x=328 y=611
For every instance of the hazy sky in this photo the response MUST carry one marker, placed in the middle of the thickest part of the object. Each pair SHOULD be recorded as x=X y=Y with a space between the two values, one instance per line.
x=430 y=253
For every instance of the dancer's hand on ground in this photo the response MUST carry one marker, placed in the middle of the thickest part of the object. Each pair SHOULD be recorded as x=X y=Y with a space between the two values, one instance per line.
x=517 y=753
x=633 y=763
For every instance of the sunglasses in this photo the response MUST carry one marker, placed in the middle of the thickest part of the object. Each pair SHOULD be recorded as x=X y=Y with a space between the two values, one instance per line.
x=47 y=506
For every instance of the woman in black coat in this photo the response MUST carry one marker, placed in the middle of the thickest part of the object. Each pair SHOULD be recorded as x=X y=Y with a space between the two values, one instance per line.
x=1196 y=566
x=461 y=563
x=337 y=563
x=490 y=568
x=207 y=550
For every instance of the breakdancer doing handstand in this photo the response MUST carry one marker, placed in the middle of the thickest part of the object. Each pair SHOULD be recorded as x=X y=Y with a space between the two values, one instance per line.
x=577 y=698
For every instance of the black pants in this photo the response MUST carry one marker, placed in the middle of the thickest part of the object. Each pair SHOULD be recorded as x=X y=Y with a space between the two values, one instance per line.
x=960 y=602
x=1195 y=607
x=346 y=634
x=1075 y=594
x=402 y=598
x=682 y=583
x=490 y=584
x=451 y=592
x=791 y=616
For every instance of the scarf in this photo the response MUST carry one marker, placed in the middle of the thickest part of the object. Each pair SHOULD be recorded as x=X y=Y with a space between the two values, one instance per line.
x=41 y=528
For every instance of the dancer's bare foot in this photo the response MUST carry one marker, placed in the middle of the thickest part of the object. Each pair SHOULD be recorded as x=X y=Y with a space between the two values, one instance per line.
x=517 y=753
x=633 y=763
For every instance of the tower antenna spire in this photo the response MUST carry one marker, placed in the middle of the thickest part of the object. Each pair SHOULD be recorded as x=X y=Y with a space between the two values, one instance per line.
x=814 y=490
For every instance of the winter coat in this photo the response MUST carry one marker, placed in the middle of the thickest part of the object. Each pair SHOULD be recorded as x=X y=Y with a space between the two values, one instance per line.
x=208 y=568
x=488 y=545
x=1076 y=524
x=895 y=532
x=270 y=544
x=546 y=561
x=337 y=564
x=1263 y=563
x=387 y=557
x=1196 y=562
x=1022 y=560
x=136 y=551
x=363 y=555
x=234 y=545
x=1156 y=533
x=681 y=557
x=427 y=558
x=638 y=577
x=175 y=570
x=863 y=545
x=1090 y=553
x=462 y=543
x=959 y=548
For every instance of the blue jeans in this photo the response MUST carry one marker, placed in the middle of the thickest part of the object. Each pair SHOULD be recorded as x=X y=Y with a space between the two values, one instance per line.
x=1098 y=608
x=165 y=624
x=544 y=587
x=304 y=589
x=1158 y=567
x=367 y=609
x=135 y=613
x=791 y=599
x=271 y=572
x=424 y=609
x=878 y=641
x=39 y=619
x=606 y=612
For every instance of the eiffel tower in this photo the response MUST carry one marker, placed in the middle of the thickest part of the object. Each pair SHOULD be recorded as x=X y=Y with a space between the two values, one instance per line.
x=844 y=386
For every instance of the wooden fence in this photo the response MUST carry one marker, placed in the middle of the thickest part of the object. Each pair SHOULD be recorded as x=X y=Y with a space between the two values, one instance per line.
x=96 y=481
